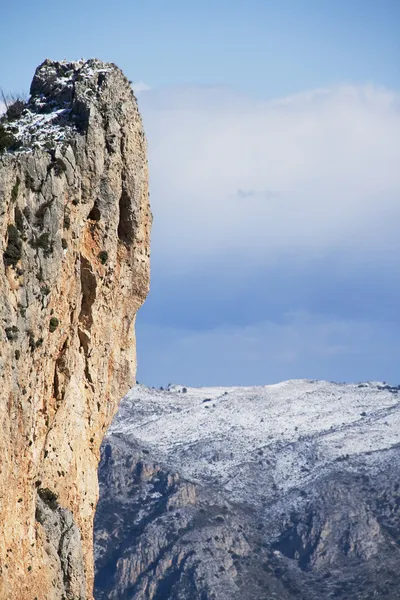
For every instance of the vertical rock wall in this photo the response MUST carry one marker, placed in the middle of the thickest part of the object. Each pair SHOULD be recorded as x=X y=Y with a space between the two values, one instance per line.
x=74 y=269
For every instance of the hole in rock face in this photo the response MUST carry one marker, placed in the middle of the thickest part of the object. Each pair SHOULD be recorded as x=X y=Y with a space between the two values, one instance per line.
x=101 y=79
x=61 y=373
x=95 y=214
x=89 y=284
x=126 y=220
x=56 y=383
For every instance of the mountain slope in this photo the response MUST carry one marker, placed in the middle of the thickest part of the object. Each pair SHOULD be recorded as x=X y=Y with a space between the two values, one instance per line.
x=283 y=491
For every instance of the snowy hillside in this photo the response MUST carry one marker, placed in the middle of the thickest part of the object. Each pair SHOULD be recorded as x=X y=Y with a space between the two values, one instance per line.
x=283 y=491
x=289 y=432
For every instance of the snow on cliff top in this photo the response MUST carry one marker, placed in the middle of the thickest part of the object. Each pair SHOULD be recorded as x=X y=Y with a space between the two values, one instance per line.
x=282 y=435
x=46 y=119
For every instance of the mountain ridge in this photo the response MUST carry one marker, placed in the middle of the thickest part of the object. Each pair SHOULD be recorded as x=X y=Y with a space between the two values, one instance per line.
x=291 y=487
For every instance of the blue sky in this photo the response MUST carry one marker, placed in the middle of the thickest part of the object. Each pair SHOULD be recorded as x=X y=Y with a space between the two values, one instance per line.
x=264 y=47
x=273 y=131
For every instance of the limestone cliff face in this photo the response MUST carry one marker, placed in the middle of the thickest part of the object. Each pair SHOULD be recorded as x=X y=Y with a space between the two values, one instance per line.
x=74 y=230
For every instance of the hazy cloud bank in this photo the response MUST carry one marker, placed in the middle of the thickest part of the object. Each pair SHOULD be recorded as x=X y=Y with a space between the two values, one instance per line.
x=275 y=249
x=236 y=176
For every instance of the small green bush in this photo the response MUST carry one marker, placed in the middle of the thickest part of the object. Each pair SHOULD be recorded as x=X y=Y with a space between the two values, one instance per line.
x=103 y=256
x=30 y=182
x=19 y=219
x=13 y=252
x=15 y=110
x=54 y=322
x=44 y=242
x=7 y=139
x=49 y=497
x=59 y=166
x=11 y=333
x=14 y=191
x=31 y=340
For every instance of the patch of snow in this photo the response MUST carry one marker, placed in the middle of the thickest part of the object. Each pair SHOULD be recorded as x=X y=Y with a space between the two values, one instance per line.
x=45 y=121
x=35 y=129
x=282 y=435
x=155 y=495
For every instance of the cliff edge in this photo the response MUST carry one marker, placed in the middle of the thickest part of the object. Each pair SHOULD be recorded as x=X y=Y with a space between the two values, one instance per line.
x=74 y=226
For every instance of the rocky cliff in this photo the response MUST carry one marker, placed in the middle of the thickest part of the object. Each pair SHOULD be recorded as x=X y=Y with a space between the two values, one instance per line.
x=74 y=231
x=285 y=492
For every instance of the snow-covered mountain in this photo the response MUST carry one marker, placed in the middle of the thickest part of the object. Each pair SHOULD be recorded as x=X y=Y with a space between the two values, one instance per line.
x=281 y=491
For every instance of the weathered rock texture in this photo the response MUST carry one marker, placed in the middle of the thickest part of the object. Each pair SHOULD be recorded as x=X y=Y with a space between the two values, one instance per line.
x=74 y=230
x=282 y=492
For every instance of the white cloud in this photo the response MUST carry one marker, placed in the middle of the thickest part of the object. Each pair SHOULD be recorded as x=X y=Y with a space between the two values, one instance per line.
x=139 y=86
x=303 y=176
x=2 y=108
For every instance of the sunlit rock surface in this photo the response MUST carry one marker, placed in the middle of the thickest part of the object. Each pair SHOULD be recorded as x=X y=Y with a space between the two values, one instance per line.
x=74 y=224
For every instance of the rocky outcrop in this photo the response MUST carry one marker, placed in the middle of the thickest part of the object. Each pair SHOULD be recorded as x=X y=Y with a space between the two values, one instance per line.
x=283 y=492
x=74 y=230
x=160 y=536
